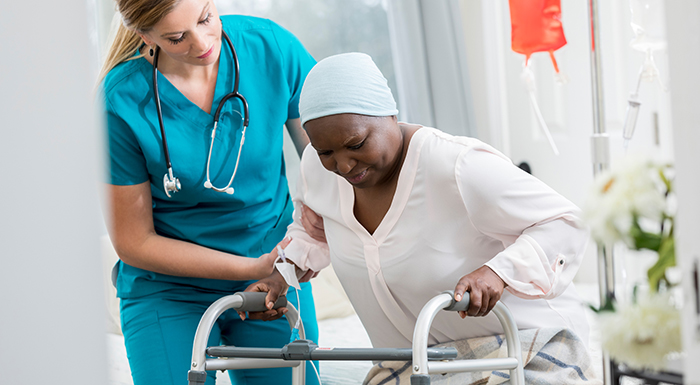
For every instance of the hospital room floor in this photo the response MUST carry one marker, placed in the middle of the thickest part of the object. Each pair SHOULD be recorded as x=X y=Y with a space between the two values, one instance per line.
x=337 y=332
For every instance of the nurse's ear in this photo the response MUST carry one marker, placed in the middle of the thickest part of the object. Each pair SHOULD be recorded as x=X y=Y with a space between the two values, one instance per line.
x=149 y=42
x=151 y=45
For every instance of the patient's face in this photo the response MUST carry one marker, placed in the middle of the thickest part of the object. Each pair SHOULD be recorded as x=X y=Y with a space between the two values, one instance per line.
x=365 y=150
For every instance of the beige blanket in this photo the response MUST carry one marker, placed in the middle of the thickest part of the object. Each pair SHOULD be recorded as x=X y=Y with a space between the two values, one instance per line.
x=551 y=356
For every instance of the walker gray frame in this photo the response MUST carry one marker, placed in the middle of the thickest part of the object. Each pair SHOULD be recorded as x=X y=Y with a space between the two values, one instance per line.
x=426 y=360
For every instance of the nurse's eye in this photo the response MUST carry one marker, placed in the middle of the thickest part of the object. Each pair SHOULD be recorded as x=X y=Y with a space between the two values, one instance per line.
x=324 y=153
x=178 y=40
x=206 y=19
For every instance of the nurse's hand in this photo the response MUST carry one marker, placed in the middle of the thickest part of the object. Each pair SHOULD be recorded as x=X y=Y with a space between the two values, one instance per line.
x=274 y=285
x=265 y=264
x=313 y=223
x=485 y=289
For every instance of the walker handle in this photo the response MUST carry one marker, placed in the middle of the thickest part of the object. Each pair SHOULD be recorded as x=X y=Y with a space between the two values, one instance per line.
x=462 y=305
x=253 y=301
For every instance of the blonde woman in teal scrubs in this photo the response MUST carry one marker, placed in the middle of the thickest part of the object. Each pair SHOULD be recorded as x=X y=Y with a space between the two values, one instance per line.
x=182 y=250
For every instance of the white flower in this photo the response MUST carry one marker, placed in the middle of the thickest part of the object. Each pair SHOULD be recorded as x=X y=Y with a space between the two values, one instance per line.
x=632 y=188
x=642 y=334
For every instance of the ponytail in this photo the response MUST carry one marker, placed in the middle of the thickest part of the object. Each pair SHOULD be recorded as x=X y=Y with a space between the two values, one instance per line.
x=138 y=15
x=122 y=48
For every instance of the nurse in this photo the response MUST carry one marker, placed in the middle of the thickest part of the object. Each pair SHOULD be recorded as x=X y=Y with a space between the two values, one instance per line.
x=410 y=211
x=183 y=245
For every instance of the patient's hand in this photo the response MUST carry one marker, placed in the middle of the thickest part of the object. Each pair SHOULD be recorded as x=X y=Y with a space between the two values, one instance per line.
x=485 y=289
x=274 y=285
x=313 y=224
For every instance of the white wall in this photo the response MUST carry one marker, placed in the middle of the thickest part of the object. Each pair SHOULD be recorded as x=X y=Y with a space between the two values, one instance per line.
x=52 y=315
x=684 y=51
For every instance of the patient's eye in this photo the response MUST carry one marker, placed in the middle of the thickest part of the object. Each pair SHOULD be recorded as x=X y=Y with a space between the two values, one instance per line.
x=324 y=153
x=357 y=146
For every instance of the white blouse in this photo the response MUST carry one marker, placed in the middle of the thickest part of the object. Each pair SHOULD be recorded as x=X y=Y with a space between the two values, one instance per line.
x=459 y=204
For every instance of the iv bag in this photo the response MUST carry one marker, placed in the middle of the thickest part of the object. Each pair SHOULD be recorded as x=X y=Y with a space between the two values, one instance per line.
x=536 y=27
x=646 y=15
x=645 y=23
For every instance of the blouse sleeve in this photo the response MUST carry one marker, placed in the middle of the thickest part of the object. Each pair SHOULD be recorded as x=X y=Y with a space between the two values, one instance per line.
x=306 y=252
x=541 y=231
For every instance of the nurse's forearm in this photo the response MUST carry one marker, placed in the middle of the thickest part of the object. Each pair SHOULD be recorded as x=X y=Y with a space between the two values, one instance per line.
x=137 y=244
x=179 y=258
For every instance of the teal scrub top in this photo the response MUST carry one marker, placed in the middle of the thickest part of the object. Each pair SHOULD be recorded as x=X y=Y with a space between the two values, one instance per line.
x=273 y=65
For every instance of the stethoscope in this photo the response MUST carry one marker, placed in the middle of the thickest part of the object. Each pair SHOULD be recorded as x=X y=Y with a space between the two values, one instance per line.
x=172 y=184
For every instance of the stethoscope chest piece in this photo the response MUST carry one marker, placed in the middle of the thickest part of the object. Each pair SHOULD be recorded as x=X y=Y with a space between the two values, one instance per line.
x=170 y=184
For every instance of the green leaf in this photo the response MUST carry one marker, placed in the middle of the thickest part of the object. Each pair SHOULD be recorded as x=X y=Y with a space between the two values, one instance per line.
x=609 y=306
x=667 y=258
x=643 y=239
x=666 y=181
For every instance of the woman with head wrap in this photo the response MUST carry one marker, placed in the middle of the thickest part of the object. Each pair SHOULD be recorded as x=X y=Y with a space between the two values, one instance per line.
x=410 y=211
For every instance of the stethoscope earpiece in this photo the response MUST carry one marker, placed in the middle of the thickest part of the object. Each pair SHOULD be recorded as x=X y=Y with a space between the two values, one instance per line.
x=172 y=184
x=227 y=190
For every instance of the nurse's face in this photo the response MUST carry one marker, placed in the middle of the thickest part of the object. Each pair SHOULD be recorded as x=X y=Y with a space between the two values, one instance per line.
x=365 y=150
x=190 y=33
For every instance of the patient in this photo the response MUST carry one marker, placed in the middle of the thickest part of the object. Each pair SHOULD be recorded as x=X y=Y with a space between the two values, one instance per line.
x=410 y=211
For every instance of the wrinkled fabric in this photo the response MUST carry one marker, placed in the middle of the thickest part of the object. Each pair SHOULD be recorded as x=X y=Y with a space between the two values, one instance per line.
x=459 y=204
x=550 y=356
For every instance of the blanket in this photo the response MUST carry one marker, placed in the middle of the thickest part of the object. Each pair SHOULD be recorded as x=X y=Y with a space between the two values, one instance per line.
x=551 y=356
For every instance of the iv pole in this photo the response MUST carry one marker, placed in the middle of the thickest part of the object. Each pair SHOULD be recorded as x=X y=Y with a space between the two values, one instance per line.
x=600 y=148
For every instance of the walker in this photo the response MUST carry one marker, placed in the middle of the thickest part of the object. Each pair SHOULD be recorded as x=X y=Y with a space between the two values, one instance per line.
x=426 y=360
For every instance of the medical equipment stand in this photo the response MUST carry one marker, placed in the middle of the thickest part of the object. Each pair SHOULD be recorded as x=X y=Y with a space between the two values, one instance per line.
x=600 y=146
x=425 y=360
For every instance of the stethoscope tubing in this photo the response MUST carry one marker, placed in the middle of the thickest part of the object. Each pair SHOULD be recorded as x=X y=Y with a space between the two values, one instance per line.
x=172 y=184
x=158 y=107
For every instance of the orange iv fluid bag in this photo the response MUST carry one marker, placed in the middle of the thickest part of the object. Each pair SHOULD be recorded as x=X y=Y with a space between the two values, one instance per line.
x=536 y=27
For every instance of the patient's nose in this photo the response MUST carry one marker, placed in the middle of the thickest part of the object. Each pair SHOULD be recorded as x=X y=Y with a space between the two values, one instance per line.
x=344 y=164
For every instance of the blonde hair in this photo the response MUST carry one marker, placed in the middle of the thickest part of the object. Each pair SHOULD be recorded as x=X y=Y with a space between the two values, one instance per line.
x=132 y=17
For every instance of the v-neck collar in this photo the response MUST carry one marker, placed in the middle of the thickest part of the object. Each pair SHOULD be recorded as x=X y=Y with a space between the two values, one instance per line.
x=407 y=175
x=176 y=100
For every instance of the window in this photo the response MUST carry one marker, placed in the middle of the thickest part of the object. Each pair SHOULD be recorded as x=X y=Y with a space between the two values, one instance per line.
x=328 y=27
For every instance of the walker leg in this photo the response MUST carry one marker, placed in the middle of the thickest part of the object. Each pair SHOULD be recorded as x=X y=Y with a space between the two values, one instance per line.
x=196 y=377
x=420 y=379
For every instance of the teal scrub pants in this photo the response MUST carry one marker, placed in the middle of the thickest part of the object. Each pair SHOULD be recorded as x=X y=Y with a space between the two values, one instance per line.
x=159 y=331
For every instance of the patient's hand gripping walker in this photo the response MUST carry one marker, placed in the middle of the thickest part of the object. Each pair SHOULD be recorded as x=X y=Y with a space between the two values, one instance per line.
x=426 y=360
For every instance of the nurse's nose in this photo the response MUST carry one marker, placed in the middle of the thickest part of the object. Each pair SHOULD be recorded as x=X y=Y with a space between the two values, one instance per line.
x=200 y=44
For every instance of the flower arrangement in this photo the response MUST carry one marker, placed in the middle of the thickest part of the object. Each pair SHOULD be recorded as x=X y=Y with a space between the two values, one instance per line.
x=633 y=203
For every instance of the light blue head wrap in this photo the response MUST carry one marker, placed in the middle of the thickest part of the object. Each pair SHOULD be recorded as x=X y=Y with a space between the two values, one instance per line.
x=345 y=83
